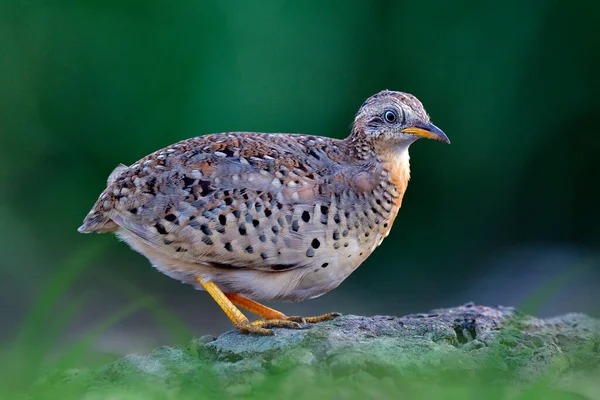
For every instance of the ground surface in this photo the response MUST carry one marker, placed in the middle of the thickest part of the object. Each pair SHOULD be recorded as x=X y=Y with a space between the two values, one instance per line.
x=469 y=346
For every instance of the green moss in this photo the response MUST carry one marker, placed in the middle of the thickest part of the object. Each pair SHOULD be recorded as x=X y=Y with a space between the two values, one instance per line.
x=507 y=356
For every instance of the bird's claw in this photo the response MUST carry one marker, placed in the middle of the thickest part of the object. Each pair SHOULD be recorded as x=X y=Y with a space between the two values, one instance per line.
x=298 y=319
x=322 y=318
x=314 y=320
x=263 y=326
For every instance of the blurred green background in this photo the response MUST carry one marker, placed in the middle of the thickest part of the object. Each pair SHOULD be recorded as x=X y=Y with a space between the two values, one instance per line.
x=509 y=213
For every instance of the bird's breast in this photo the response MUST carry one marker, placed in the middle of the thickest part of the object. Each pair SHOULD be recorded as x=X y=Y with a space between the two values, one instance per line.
x=393 y=184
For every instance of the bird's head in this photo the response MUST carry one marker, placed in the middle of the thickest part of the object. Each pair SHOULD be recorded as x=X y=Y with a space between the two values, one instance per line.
x=395 y=119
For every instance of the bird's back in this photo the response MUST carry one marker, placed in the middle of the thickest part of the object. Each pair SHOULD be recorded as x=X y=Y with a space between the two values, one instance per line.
x=247 y=201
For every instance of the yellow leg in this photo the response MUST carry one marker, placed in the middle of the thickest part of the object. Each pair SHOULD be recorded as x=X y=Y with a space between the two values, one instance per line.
x=227 y=306
x=240 y=321
x=255 y=308
x=270 y=314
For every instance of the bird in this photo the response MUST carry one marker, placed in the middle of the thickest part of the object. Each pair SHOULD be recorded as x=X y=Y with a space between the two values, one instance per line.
x=262 y=217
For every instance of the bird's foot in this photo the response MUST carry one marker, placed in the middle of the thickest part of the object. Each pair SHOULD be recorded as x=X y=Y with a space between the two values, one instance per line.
x=322 y=318
x=263 y=326
x=314 y=320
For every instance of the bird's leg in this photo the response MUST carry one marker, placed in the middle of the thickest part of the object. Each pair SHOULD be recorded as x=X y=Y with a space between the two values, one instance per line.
x=270 y=314
x=260 y=327
x=264 y=312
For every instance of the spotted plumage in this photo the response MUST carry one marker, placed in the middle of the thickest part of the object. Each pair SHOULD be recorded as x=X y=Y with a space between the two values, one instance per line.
x=268 y=216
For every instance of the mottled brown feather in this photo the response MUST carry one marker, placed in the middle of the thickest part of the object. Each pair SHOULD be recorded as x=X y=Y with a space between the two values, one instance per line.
x=270 y=203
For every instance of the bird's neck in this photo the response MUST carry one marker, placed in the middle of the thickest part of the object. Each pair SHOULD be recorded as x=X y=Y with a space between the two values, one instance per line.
x=385 y=178
x=395 y=175
x=393 y=159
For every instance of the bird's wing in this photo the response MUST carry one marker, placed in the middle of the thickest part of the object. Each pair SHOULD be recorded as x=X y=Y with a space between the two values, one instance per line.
x=230 y=200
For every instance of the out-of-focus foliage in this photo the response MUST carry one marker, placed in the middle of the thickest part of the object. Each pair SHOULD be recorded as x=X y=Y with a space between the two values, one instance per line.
x=85 y=85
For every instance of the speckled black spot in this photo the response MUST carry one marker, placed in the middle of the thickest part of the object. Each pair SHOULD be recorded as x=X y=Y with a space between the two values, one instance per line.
x=237 y=213
x=345 y=233
x=268 y=212
x=336 y=235
x=264 y=256
x=262 y=238
x=346 y=244
x=150 y=186
x=366 y=234
x=228 y=246
x=167 y=242
x=310 y=252
x=282 y=267
x=305 y=216
x=242 y=229
x=229 y=152
x=255 y=223
x=315 y=244
x=324 y=219
x=324 y=265
x=314 y=154
x=275 y=229
x=222 y=219
x=295 y=226
x=171 y=217
x=336 y=245
x=205 y=229
x=206 y=187
x=160 y=229
x=220 y=228
x=336 y=218
x=187 y=181
x=324 y=210
x=180 y=250
x=133 y=210
x=258 y=207
x=207 y=240
x=249 y=249
x=385 y=225
x=228 y=201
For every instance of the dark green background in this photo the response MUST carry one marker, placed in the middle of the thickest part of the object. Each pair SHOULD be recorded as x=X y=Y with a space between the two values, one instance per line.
x=510 y=208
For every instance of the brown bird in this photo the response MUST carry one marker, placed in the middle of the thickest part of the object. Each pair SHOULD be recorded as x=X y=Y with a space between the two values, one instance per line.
x=254 y=216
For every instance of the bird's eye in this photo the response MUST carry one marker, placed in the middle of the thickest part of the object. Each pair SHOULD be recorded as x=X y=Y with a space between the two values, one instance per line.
x=390 y=116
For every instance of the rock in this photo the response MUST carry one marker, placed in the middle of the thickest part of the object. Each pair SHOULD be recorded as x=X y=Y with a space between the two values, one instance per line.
x=456 y=340
x=381 y=353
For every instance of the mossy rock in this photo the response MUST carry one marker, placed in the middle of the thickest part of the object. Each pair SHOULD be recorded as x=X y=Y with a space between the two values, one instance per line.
x=469 y=348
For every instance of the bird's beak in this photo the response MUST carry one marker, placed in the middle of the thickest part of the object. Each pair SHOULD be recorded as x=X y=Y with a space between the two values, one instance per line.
x=429 y=131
